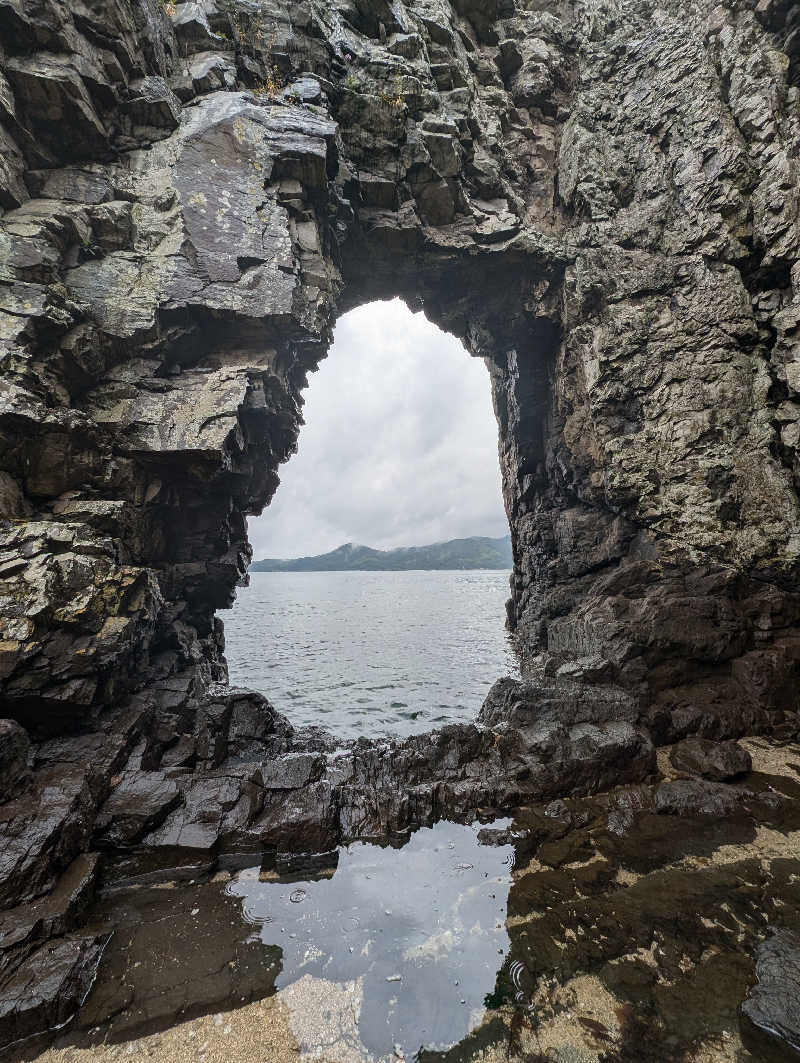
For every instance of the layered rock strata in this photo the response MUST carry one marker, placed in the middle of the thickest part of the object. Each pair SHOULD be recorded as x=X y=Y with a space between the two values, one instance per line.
x=598 y=198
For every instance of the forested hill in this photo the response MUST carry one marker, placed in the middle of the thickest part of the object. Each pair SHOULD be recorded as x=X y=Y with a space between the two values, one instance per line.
x=474 y=552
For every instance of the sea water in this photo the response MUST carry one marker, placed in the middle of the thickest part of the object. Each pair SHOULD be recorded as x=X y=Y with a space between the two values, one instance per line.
x=371 y=653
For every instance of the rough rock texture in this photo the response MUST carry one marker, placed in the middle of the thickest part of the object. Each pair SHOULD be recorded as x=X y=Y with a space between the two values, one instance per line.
x=618 y=184
x=14 y=749
x=598 y=197
x=771 y=1013
x=712 y=760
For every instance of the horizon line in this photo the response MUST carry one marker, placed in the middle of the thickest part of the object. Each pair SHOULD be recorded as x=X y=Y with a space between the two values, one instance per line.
x=381 y=550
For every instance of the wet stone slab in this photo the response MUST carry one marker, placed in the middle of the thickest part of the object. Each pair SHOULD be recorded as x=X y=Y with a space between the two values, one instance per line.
x=621 y=928
x=395 y=950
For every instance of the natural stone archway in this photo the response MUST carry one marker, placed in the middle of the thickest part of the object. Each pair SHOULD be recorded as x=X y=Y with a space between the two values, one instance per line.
x=164 y=308
x=599 y=198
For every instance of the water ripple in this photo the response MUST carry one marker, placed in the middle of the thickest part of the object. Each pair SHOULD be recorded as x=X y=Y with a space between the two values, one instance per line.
x=392 y=653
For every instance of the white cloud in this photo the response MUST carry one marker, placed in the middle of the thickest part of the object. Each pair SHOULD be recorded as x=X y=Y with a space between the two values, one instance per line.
x=399 y=446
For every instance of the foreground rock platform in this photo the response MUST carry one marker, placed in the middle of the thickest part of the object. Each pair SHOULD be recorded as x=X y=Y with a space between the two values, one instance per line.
x=657 y=922
x=153 y=797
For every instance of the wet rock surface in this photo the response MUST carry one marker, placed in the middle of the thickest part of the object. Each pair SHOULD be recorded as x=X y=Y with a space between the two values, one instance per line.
x=48 y=988
x=599 y=944
x=14 y=749
x=771 y=1013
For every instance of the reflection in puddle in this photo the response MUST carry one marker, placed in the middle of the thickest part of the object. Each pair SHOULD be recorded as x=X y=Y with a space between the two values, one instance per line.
x=635 y=944
x=396 y=951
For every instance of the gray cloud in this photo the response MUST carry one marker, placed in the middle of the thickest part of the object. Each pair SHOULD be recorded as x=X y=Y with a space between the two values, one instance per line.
x=399 y=446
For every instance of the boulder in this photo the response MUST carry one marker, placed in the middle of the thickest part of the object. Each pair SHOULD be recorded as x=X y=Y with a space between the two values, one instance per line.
x=770 y=1016
x=689 y=797
x=711 y=760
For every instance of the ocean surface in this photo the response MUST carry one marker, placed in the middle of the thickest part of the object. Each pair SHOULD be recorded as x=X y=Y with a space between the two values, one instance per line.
x=371 y=653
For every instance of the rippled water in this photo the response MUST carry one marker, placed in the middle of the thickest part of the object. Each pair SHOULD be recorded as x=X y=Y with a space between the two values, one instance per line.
x=366 y=653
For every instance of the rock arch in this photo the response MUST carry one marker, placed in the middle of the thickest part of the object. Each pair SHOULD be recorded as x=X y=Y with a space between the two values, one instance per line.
x=598 y=198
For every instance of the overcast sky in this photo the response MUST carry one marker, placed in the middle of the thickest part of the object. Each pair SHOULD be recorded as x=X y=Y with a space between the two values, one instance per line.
x=399 y=447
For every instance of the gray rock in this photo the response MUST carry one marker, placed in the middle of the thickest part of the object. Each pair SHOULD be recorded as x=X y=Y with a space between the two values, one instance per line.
x=192 y=27
x=770 y=1016
x=208 y=185
x=592 y=669
x=683 y=797
x=48 y=987
x=599 y=201
x=214 y=804
x=303 y=821
x=180 y=755
x=712 y=760
x=57 y=913
x=43 y=831
x=292 y=771
x=152 y=103
x=139 y=803
x=14 y=750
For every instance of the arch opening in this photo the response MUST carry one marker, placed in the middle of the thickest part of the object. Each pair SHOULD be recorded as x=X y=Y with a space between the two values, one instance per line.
x=375 y=604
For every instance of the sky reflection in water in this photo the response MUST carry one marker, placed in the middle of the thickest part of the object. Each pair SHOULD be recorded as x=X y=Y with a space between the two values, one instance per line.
x=397 y=950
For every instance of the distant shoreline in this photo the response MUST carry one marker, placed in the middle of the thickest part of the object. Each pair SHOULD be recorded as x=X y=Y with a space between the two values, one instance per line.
x=367 y=571
x=476 y=553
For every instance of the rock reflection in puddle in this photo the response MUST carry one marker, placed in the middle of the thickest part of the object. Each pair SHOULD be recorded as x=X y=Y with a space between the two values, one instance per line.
x=396 y=951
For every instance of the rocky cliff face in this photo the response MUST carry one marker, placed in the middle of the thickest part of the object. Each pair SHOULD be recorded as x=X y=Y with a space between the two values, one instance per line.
x=599 y=198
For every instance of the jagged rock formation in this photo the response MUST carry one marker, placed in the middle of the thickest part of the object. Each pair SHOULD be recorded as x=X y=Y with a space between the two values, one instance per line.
x=599 y=198
x=192 y=195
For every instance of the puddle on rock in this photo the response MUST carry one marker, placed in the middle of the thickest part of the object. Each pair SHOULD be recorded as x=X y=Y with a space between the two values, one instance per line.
x=395 y=952
x=628 y=935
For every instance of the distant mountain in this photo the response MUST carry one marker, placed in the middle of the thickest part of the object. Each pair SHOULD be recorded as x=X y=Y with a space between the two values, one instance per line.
x=475 y=552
